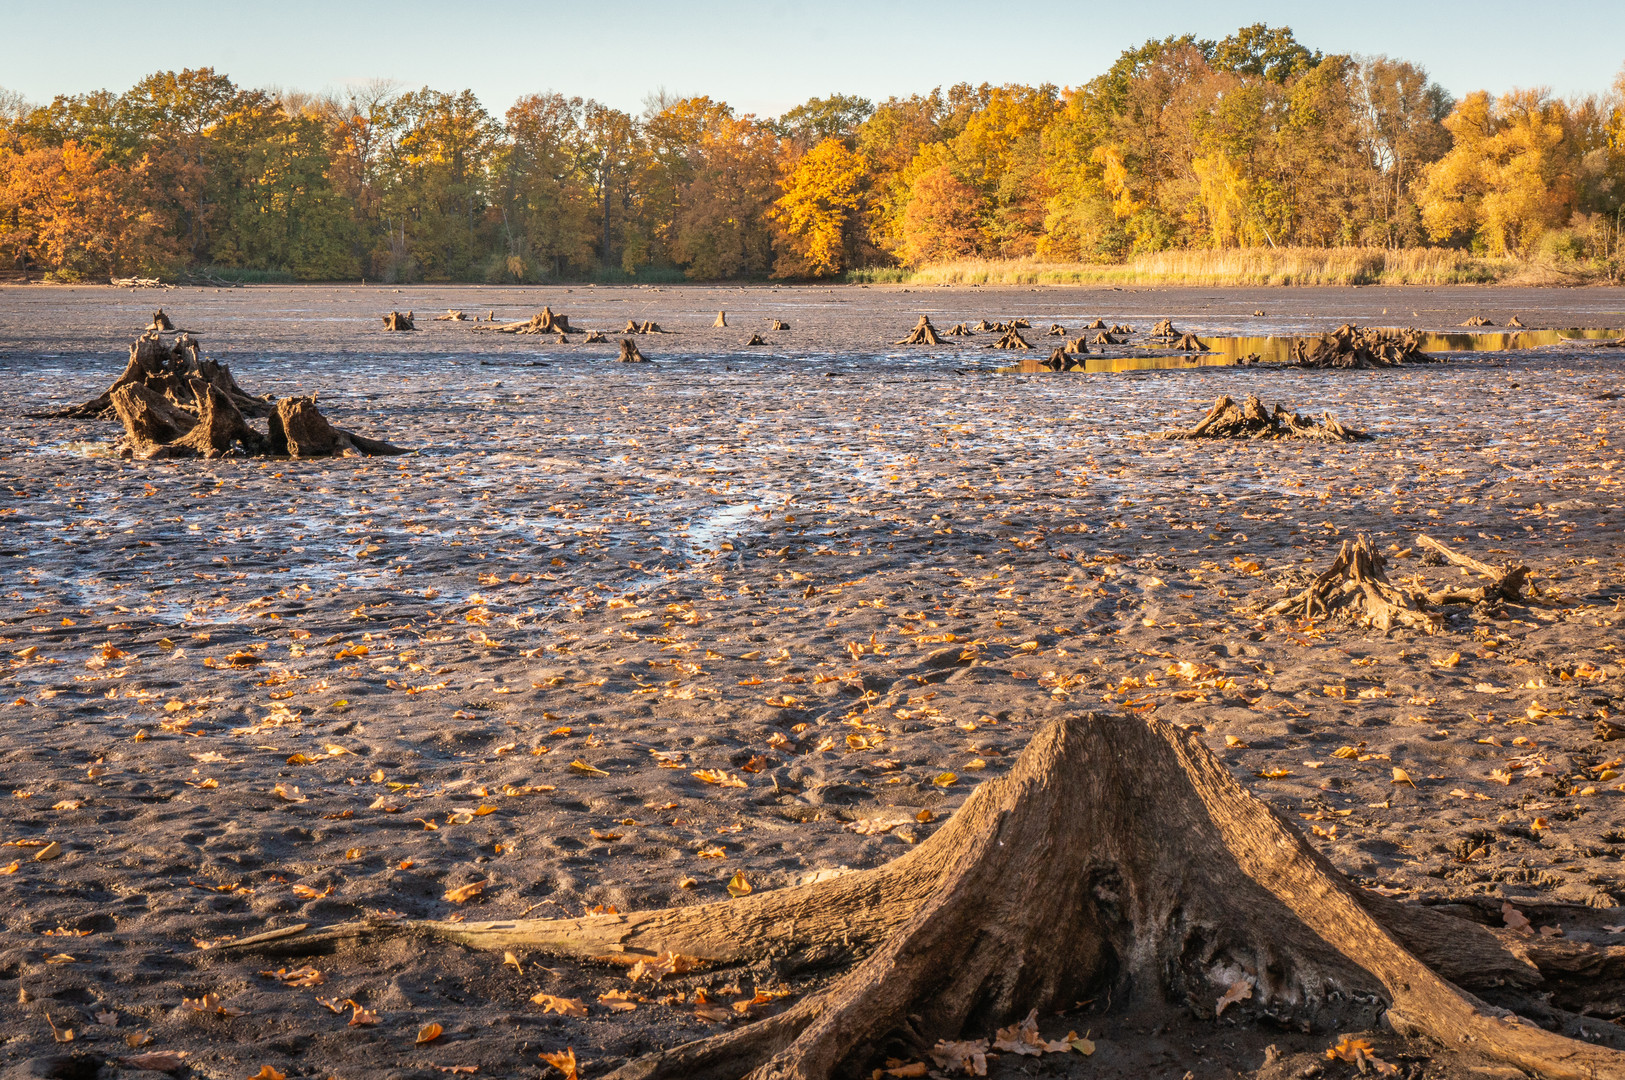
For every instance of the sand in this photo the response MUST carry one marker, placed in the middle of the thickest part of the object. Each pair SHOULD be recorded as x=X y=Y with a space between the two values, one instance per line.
x=243 y=694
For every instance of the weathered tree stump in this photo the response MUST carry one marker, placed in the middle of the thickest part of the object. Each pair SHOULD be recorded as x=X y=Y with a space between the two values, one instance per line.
x=1250 y=420
x=779 y=324
x=1190 y=342
x=1096 y=324
x=160 y=321
x=1055 y=330
x=630 y=354
x=1012 y=339
x=1077 y=345
x=986 y=327
x=396 y=321
x=1356 y=587
x=722 y=319
x=451 y=316
x=594 y=337
x=1352 y=347
x=958 y=329
x=755 y=339
x=1516 y=323
x=1477 y=320
x=298 y=429
x=1062 y=360
x=1104 y=338
x=1021 y=324
x=1119 y=861
x=170 y=369
x=1164 y=331
x=543 y=322
x=1122 y=328
x=922 y=334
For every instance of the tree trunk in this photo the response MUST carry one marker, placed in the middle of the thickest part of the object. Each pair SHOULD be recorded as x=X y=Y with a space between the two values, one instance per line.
x=1118 y=860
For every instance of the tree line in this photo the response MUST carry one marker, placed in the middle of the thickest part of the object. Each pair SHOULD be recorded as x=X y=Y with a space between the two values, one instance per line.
x=1254 y=140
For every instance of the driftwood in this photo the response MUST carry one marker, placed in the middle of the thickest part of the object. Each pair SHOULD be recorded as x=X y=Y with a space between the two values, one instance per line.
x=1250 y=420
x=451 y=316
x=174 y=370
x=543 y=322
x=1351 y=347
x=779 y=324
x=1504 y=582
x=1012 y=339
x=630 y=354
x=138 y=283
x=722 y=319
x=1065 y=882
x=396 y=321
x=922 y=334
x=755 y=339
x=1477 y=320
x=1356 y=587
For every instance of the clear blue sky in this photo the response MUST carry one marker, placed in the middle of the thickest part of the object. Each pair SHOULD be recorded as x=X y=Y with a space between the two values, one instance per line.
x=763 y=56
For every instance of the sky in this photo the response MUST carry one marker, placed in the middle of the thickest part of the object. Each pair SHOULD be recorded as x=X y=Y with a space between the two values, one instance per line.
x=763 y=56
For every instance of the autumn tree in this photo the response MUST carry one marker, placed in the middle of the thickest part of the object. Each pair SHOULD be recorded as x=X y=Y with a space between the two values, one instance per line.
x=724 y=227
x=817 y=210
x=940 y=221
x=1509 y=174
x=546 y=203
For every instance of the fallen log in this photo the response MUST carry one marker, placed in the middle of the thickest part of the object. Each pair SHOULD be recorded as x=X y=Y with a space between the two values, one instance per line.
x=1356 y=587
x=396 y=321
x=1059 y=883
x=1250 y=420
x=922 y=334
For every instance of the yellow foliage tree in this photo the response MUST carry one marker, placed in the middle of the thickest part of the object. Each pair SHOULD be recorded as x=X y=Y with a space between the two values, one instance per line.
x=1509 y=175
x=818 y=205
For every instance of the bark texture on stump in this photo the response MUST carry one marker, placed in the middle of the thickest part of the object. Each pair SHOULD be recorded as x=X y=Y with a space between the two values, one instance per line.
x=1250 y=420
x=1119 y=860
x=1354 y=347
x=396 y=321
x=922 y=334
x=630 y=354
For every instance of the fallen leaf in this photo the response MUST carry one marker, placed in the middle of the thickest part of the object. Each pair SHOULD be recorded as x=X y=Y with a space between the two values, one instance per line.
x=1403 y=777
x=583 y=767
x=464 y=893
x=718 y=777
x=564 y=1063
x=1240 y=990
x=268 y=1073
x=163 y=1061
x=618 y=1001
x=361 y=1016
x=738 y=886
x=210 y=1003
x=428 y=1033
x=562 y=1005
x=48 y=852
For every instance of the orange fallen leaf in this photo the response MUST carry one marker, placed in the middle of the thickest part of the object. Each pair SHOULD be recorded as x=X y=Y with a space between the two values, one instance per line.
x=464 y=893
x=564 y=1063
x=428 y=1033
x=562 y=1005
x=162 y=1061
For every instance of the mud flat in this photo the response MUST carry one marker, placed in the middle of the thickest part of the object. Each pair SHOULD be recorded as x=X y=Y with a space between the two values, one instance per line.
x=244 y=694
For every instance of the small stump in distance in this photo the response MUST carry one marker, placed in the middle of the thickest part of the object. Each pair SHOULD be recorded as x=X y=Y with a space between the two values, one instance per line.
x=396 y=321
x=630 y=354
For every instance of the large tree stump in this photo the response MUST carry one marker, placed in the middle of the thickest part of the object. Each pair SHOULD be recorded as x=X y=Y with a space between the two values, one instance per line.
x=1356 y=587
x=1012 y=339
x=396 y=321
x=1118 y=861
x=630 y=353
x=1250 y=420
x=298 y=429
x=170 y=368
x=1353 y=347
x=922 y=334
x=1095 y=324
x=1077 y=345
x=543 y=322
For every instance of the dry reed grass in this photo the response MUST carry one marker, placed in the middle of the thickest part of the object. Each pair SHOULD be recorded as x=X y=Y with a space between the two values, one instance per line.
x=1239 y=266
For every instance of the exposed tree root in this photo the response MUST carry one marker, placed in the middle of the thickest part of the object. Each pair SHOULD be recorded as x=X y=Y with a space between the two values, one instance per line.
x=1227 y=420
x=1118 y=860
x=630 y=354
x=1356 y=587
x=922 y=334
x=396 y=321
x=1350 y=346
